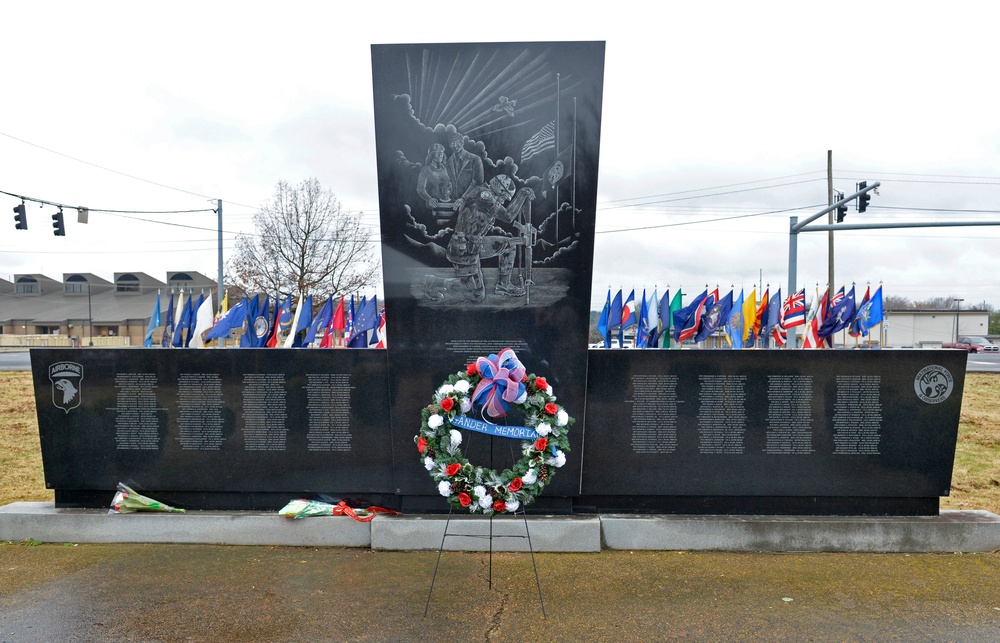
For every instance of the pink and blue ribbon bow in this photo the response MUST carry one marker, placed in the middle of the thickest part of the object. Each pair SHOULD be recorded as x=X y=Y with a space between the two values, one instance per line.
x=501 y=383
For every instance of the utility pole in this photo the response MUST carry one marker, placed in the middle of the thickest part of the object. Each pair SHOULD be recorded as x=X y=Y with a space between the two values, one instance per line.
x=221 y=287
x=829 y=201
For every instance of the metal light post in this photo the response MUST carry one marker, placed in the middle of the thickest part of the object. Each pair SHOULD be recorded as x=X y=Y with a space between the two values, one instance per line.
x=90 y=316
x=958 y=317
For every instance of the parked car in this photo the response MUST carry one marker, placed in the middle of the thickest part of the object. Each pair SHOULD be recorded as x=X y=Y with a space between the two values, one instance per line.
x=973 y=345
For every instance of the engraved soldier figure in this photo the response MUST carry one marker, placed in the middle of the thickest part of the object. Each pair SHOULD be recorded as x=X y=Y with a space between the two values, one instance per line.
x=478 y=210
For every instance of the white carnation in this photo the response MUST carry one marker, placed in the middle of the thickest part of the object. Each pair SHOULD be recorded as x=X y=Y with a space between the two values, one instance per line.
x=429 y=463
x=543 y=429
x=513 y=504
x=530 y=477
x=456 y=438
x=559 y=459
x=562 y=417
x=522 y=398
x=444 y=391
x=444 y=488
x=465 y=404
x=479 y=491
x=548 y=390
x=486 y=502
x=462 y=386
x=435 y=421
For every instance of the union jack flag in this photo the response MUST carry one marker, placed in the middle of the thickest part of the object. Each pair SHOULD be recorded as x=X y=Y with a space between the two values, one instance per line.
x=793 y=311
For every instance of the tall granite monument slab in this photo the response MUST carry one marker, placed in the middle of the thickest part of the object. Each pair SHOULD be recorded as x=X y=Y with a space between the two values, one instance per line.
x=487 y=167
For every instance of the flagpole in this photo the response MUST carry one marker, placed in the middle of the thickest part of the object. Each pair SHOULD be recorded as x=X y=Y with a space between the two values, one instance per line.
x=558 y=90
x=573 y=162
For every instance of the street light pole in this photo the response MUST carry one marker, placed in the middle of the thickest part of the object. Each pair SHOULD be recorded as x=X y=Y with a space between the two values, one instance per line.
x=958 y=312
x=90 y=315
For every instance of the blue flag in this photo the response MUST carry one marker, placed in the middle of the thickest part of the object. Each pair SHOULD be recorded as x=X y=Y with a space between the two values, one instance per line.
x=248 y=339
x=168 y=324
x=321 y=320
x=642 y=332
x=184 y=323
x=871 y=313
x=193 y=318
x=305 y=322
x=686 y=319
x=773 y=316
x=233 y=319
x=615 y=314
x=154 y=323
x=734 y=325
x=365 y=319
x=839 y=316
x=602 y=323
x=716 y=317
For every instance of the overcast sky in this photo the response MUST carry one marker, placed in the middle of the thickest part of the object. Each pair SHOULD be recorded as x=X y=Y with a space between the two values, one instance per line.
x=716 y=124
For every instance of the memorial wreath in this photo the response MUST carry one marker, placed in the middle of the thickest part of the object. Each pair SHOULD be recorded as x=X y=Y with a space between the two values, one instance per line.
x=493 y=385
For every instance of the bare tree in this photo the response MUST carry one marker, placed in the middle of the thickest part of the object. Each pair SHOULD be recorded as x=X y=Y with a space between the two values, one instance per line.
x=305 y=243
x=895 y=302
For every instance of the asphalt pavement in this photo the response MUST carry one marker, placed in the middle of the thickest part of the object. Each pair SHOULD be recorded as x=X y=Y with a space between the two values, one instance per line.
x=66 y=592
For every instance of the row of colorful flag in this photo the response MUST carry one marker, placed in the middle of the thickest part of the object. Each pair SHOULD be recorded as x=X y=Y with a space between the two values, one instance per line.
x=191 y=323
x=745 y=322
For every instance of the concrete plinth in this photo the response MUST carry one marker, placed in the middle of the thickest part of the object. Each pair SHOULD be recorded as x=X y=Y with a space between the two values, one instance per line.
x=951 y=531
x=472 y=533
x=43 y=522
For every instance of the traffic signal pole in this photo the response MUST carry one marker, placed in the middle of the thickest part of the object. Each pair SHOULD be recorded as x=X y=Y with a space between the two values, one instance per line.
x=795 y=226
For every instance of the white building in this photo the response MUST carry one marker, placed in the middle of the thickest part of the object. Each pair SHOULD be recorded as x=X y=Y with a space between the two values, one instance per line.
x=931 y=328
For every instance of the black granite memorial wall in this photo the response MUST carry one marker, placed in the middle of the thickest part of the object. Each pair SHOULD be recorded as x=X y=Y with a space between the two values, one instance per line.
x=786 y=431
x=686 y=431
x=239 y=428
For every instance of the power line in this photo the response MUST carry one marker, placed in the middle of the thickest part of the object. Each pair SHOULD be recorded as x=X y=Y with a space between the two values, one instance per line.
x=702 y=196
x=72 y=207
x=717 y=187
x=684 y=223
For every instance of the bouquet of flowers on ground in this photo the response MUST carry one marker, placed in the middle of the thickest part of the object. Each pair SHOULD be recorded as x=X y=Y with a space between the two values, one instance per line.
x=127 y=501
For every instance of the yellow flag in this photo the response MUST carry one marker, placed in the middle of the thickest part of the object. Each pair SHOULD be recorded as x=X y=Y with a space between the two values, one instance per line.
x=749 y=314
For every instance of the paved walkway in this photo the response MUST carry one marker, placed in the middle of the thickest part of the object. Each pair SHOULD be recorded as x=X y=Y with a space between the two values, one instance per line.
x=56 y=592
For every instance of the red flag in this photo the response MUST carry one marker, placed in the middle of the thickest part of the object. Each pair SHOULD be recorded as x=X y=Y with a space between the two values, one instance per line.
x=272 y=341
x=336 y=323
x=380 y=331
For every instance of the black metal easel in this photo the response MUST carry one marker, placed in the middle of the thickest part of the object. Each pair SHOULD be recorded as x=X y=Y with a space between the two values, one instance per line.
x=527 y=535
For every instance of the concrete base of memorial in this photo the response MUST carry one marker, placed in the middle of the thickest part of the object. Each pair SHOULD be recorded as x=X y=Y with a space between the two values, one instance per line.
x=951 y=531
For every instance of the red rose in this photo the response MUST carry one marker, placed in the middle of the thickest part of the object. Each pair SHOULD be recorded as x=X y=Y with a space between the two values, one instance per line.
x=515 y=484
x=541 y=443
x=551 y=408
x=421 y=444
x=455 y=467
x=471 y=369
x=541 y=384
x=499 y=505
x=447 y=404
x=464 y=499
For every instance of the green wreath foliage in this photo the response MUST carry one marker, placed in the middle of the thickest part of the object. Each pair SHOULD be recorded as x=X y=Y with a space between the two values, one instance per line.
x=478 y=489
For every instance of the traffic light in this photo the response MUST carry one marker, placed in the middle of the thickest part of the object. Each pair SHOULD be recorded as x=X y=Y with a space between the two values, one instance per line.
x=864 y=198
x=58 y=227
x=20 y=217
x=841 y=212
